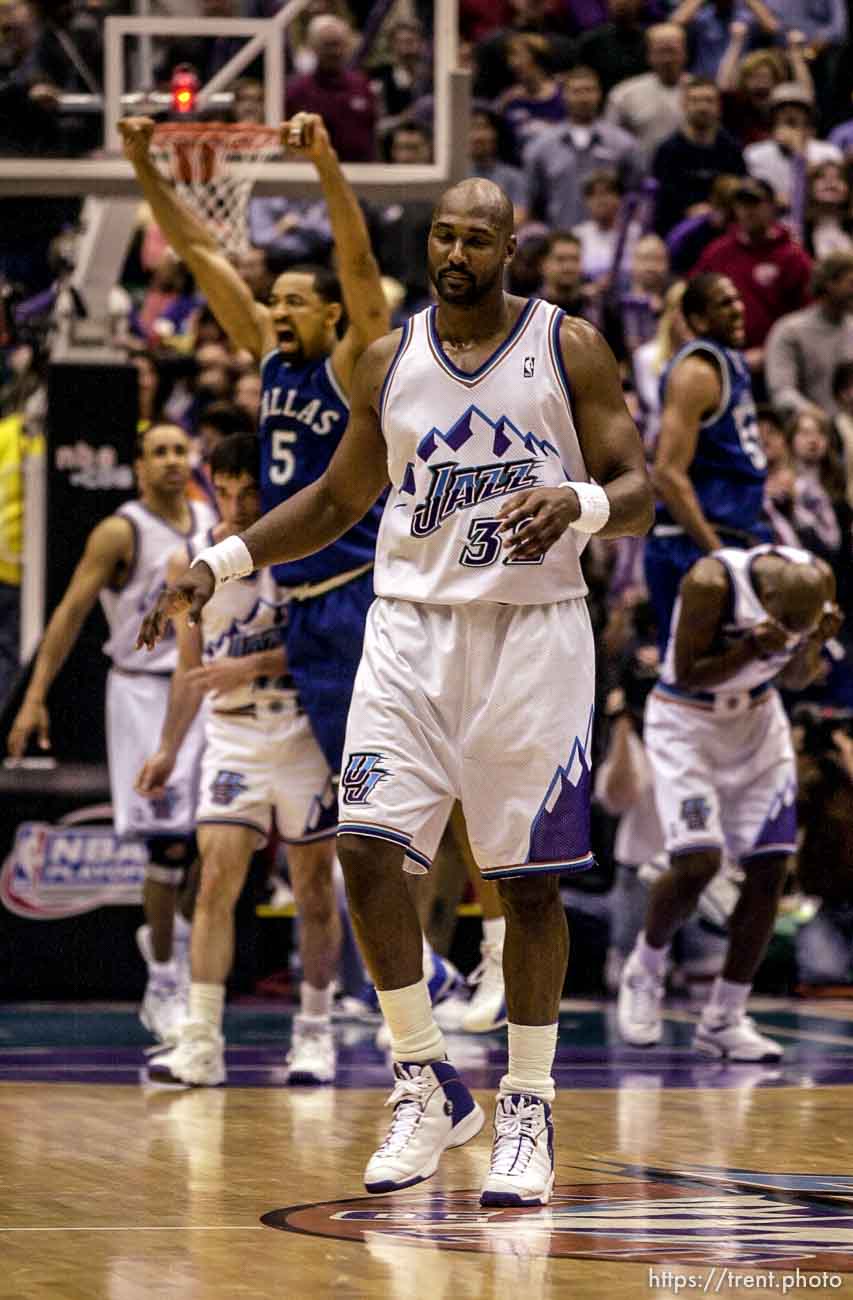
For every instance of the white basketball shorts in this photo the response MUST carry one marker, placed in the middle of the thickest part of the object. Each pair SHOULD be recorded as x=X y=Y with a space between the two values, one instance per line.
x=722 y=781
x=136 y=707
x=254 y=765
x=487 y=703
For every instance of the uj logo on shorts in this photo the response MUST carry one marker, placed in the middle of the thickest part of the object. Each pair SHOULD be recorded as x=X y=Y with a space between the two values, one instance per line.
x=225 y=786
x=363 y=774
x=695 y=812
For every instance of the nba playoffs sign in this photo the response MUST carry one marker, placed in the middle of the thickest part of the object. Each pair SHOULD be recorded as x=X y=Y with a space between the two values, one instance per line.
x=690 y=1217
x=60 y=871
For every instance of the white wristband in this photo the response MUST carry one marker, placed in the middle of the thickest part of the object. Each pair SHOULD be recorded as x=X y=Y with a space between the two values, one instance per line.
x=226 y=560
x=594 y=504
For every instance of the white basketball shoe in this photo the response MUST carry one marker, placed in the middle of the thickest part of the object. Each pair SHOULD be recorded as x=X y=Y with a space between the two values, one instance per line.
x=487 y=1008
x=433 y=1110
x=638 y=1007
x=196 y=1060
x=312 y=1058
x=733 y=1038
x=522 y=1167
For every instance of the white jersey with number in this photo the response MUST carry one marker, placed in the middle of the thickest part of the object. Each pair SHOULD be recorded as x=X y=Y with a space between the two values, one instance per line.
x=459 y=447
x=745 y=612
x=245 y=618
x=154 y=541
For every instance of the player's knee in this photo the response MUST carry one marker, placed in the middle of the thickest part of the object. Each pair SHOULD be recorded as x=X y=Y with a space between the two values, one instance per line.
x=366 y=863
x=168 y=858
x=766 y=873
x=220 y=883
x=529 y=894
x=694 y=870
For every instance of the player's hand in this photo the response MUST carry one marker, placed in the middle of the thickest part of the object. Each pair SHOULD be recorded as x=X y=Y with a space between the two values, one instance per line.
x=32 y=718
x=531 y=522
x=221 y=675
x=768 y=638
x=136 y=135
x=154 y=775
x=738 y=31
x=305 y=135
x=188 y=594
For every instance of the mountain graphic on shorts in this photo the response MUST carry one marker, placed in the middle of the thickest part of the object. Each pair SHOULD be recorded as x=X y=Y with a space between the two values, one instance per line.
x=561 y=828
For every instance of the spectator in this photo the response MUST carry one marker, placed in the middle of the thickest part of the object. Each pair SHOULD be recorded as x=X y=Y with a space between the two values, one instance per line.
x=616 y=50
x=492 y=72
x=688 y=239
x=793 y=134
x=829 y=214
x=821 y=24
x=821 y=515
x=781 y=476
x=746 y=85
x=401 y=229
x=842 y=135
x=247 y=394
x=407 y=75
x=650 y=106
x=650 y=360
x=292 y=229
x=842 y=426
x=803 y=350
x=769 y=270
x=484 y=137
x=707 y=24
x=248 y=104
x=524 y=273
x=558 y=164
x=340 y=94
x=633 y=316
x=561 y=273
x=255 y=270
x=218 y=420
x=599 y=234
x=535 y=99
x=686 y=164
x=169 y=302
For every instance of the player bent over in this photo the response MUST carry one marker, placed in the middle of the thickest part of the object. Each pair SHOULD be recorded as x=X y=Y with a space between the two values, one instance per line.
x=260 y=755
x=720 y=747
x=489 y=415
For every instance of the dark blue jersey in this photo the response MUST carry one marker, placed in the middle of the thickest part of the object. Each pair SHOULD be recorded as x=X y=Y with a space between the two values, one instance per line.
x=303 y=416
x=729 y=468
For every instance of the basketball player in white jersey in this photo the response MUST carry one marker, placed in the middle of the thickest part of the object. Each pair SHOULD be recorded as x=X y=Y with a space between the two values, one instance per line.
x=490 y=416
x=720 y=747
x=124 y=563
x=260 y=754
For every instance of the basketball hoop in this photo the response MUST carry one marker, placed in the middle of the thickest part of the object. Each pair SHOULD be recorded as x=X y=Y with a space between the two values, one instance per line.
x=214 y=166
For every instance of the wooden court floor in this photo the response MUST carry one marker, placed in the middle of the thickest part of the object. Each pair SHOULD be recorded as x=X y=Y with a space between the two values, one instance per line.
x=674 y=1176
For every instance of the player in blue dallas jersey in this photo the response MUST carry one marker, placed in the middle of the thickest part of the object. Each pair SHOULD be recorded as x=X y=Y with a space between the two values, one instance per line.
x=306 y=371
x=710 y=467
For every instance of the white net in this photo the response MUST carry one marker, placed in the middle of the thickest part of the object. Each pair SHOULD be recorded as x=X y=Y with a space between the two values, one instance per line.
x=214 y=166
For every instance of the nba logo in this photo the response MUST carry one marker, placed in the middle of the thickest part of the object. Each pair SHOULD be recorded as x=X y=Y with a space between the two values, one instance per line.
x=527 y=370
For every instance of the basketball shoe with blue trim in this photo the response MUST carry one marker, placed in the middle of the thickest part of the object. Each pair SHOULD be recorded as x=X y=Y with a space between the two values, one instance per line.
x=522 y=1167
x=433 y=1110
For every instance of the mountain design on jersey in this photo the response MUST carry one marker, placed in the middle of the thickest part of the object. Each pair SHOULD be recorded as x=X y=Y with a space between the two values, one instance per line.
x=560 y=831
x=509 y=461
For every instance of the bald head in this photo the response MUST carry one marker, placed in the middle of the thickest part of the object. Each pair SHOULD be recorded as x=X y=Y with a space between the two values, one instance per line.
x=793 y=593
x=479 y=199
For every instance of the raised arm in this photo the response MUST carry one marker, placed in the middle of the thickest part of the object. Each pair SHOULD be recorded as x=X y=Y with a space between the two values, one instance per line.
x=246 y=322
x=612 y=453
x=309 y=520
x=361 y=282
x=108 y=554
x=693 y=389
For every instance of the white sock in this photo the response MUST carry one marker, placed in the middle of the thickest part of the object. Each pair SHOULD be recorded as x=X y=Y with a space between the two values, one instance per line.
x=531 y=1055
x=162 y=970
x=494 y=931
x=182 y=928
x=315 y=1002
x=727 y=999
x=207 y=1003
x=652 y=960
x=429 y=960
x=414 y=1034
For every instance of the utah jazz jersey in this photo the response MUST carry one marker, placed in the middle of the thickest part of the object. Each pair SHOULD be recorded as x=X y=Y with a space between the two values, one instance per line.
x=459 y=447
x=729 y=468
x=303 y=416
x=154 y=541
x=745 y=612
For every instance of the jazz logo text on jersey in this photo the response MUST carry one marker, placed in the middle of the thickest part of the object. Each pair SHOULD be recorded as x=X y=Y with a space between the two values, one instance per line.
x=459 y=487
x=361 y=777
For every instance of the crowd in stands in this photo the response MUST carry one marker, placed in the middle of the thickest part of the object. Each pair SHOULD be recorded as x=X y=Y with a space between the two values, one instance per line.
x=639 y=143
